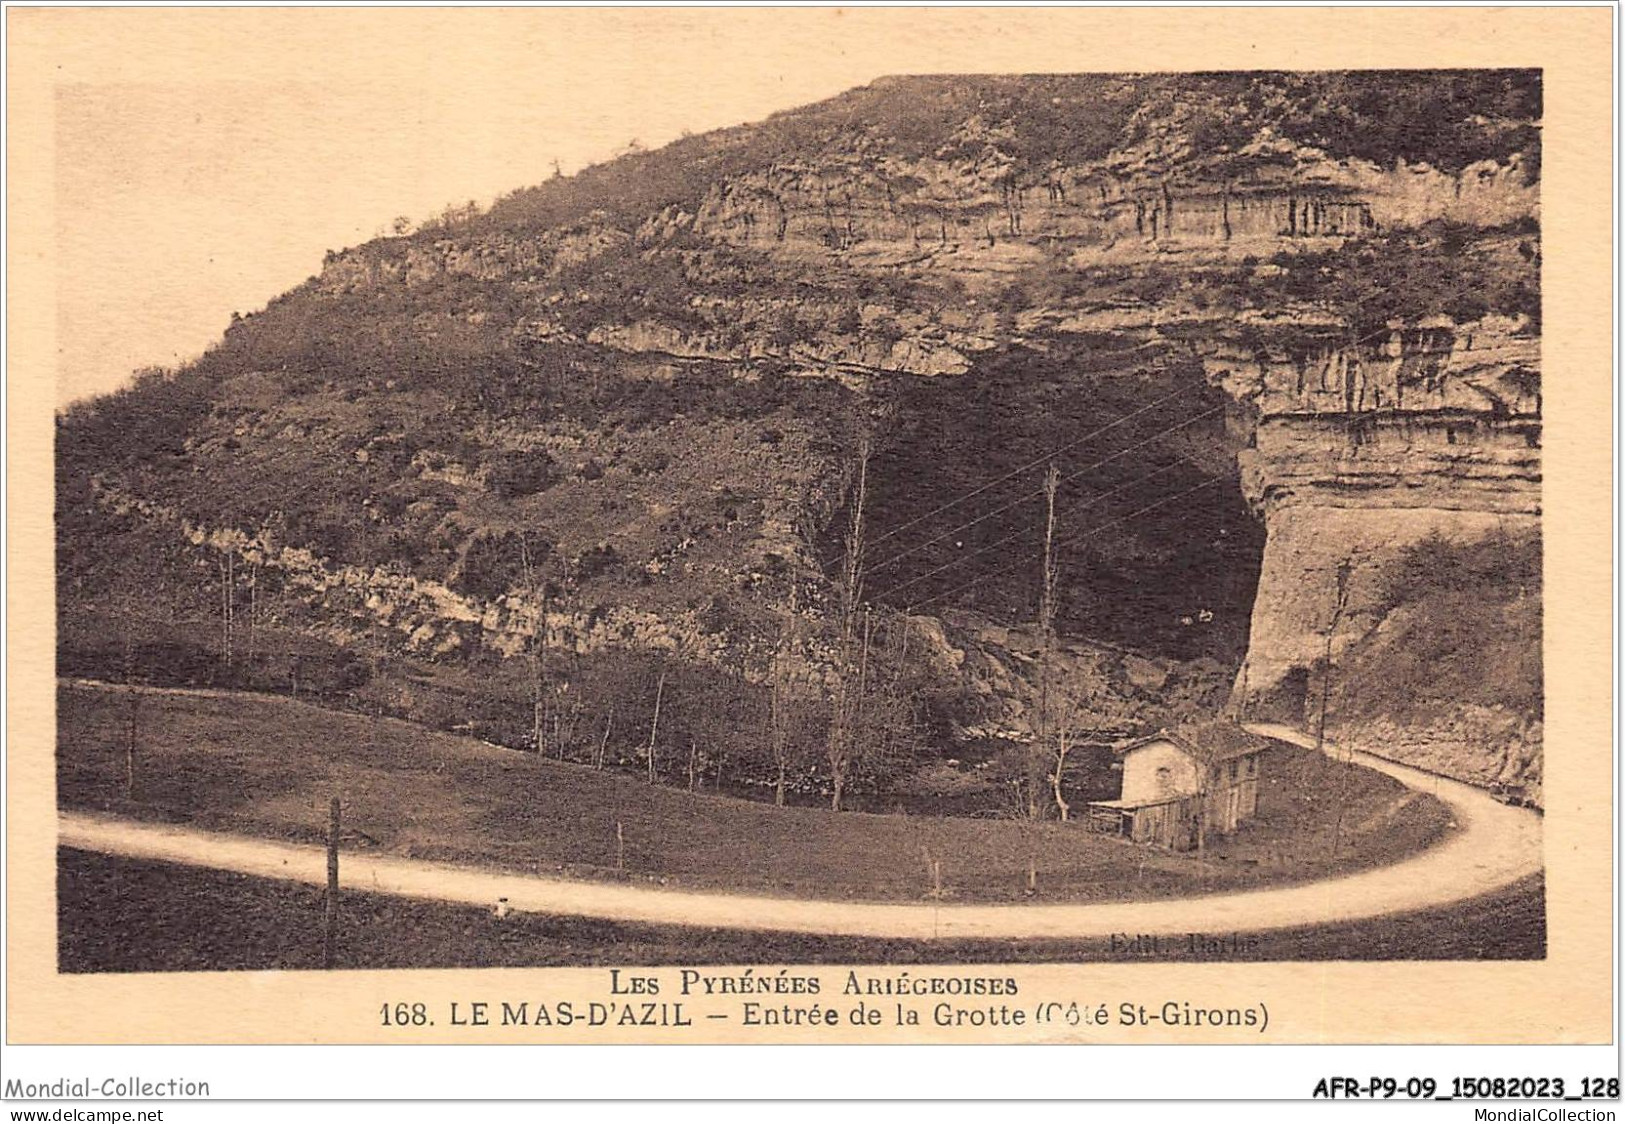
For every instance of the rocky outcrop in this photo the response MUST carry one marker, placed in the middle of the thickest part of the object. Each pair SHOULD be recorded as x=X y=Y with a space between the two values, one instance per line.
x=1309 y=546
x=1359 y=454
x=924 y=348
x=427 y=618
x=1358 y=447
x=1270 y=195
x=508 y=258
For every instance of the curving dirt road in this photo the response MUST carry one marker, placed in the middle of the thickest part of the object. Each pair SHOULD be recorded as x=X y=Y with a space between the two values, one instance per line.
x=1493 y=846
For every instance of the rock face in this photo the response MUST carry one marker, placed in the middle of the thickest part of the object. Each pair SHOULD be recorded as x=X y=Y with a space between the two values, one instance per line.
x=927 y=207
x=425 y=617
x=1360 y=455
x=1360 y=452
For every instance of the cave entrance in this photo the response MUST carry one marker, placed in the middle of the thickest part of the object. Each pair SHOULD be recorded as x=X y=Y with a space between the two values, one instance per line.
x=1158 y=552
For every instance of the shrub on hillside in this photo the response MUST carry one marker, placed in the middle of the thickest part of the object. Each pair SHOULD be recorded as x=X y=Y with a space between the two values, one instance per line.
x=522 y=473
x=1463 y=626
x=495 y=563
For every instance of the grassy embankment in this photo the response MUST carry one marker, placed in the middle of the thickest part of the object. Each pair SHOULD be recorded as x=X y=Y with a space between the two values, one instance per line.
x=267 y=766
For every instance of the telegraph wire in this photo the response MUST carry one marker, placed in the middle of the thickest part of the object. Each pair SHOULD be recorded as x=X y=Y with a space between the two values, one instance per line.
x=1071 y=541
x=1012 y=536
x=1019 y=500
x=1029 y=466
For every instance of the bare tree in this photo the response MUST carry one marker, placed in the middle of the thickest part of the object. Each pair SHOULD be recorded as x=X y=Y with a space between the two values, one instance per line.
x=779 y=683
x=260 y=553
x=603 y=742
x=254 y=560
x=1057 y=776
x=566 y=718
x=892 y=694
x=1345 y=569
x=851 y=660
x=227 y=565
x=536 y=590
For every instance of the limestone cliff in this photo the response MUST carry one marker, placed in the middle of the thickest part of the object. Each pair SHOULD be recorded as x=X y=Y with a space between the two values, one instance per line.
x=1361 y=454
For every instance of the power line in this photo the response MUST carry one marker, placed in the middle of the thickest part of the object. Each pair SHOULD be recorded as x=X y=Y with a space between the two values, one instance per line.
x=894 y=559
x=1385 y=331
x=1073 y=541
x=1091 y=435
x=994 y=545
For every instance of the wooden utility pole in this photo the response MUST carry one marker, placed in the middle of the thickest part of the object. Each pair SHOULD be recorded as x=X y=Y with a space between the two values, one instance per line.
x=231 y=605
x=1345 y=568
x=1202 y=786
x=330 y=909
x=1043 y=751
x=129 y=745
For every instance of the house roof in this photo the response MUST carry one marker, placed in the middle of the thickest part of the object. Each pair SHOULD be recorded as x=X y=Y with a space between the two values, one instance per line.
x=1205 y=741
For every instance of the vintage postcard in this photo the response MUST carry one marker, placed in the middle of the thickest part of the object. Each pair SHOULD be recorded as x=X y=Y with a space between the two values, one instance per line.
x=1035 y=526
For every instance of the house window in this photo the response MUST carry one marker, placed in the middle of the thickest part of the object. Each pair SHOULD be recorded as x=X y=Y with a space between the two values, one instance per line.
x=1165 y=780
x=1234 y=769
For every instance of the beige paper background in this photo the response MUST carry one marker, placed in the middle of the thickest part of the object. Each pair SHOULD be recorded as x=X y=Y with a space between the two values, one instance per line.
x=1565 y=998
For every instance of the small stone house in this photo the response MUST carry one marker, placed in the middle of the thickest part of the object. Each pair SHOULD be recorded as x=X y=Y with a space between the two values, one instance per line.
x=1181 y=786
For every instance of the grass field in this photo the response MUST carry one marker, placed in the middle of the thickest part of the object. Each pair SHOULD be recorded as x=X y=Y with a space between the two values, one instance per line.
x=124 y=915
x=267 y=766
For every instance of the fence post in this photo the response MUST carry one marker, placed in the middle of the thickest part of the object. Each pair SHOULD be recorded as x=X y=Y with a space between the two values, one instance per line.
x=330 y=911
x=129 y=746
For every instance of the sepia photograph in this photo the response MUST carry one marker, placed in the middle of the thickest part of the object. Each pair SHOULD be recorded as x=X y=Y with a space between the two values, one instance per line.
x=965 y=528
